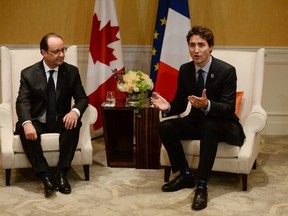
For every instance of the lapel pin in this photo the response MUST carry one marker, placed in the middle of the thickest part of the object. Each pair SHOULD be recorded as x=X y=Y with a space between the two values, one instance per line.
x=212 y=76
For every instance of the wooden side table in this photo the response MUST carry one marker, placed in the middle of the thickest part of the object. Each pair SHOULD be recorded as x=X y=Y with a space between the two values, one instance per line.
x=131 y=140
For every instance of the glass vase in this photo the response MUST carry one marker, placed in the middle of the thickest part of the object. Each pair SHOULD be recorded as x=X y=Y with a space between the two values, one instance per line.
x=133 y=99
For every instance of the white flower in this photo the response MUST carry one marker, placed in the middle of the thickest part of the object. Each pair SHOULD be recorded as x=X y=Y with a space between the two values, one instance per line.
x=135 y=82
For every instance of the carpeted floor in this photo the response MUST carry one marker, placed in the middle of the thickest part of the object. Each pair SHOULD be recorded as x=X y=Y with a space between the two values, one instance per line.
x=129 y=191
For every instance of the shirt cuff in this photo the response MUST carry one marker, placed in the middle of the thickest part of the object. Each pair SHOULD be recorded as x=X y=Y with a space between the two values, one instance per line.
x=77 y=111
x=165 y=112
x=208 y=108
x=26 y=122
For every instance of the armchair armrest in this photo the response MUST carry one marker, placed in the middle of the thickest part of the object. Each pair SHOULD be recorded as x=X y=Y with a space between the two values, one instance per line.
x=91 y=111
x=6 y=135
x=248 y=152
x=185 y=113
x=256 y=120
x=166 y=118
x=254 y=124
x=6 y=116
x=89 y=117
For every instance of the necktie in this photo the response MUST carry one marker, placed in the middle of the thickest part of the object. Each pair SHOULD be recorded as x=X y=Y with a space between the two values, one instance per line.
x=200 y=82
x=51 y=109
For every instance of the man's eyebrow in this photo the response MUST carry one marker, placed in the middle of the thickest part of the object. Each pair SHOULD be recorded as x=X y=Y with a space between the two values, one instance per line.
x=197 y=43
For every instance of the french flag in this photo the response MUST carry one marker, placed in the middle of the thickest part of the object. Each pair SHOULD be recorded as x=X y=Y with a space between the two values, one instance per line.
x=105 y=55
x=174 y=48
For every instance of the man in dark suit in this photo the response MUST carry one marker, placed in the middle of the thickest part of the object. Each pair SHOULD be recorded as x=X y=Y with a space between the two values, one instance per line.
x=211 y=119
x=36 y=116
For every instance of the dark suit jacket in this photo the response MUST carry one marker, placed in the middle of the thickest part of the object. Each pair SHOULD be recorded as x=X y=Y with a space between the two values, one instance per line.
x=32 y=98
x=220 y=87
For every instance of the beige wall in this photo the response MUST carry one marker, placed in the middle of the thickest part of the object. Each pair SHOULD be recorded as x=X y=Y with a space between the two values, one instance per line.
x=234 y=22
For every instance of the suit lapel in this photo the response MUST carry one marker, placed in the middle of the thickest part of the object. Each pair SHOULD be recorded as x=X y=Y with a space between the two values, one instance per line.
x=60 y=80
x=41 y=76
x=191 y=77
x=212 y=74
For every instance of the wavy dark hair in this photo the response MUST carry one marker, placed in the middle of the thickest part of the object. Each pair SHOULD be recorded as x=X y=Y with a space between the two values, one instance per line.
x=203 y=32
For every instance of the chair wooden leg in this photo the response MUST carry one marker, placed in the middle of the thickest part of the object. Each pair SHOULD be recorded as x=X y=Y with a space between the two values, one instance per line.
x=167 y=171
x=8 y=176
x=86 y=172
x=244 y=181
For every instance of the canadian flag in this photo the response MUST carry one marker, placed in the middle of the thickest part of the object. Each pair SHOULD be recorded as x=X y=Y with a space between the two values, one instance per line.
x=105 y=55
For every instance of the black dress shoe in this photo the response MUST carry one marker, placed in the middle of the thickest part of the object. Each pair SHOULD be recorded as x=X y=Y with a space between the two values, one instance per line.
x=200 y=199
x=62 y=184
x=49 y=187
x=181 y=181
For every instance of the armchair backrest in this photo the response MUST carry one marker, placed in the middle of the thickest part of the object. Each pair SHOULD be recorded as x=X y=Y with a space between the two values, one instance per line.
x=13 y=61
x=250 y=73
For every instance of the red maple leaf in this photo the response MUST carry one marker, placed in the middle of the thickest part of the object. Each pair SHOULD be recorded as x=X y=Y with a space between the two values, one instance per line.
x=100 y=39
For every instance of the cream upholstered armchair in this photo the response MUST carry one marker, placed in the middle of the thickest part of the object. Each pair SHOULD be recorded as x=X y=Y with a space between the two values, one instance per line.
x=233 y=159
x=12 y=153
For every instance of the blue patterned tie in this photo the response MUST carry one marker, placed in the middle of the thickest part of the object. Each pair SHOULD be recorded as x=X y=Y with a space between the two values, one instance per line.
x=51 y=109
x=200 y=82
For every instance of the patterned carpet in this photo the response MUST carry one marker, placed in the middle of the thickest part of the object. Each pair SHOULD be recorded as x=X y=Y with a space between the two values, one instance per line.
x=128 y=191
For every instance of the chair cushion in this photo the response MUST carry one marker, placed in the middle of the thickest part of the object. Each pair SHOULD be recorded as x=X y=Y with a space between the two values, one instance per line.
x=239 y=95
x=192 y=147
x=49 y=142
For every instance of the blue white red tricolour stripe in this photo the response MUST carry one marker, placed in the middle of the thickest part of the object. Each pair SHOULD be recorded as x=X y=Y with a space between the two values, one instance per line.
x=160 y=25
x=174 y=48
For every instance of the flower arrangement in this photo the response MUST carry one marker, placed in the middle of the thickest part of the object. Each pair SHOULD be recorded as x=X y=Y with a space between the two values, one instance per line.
x=134 y=82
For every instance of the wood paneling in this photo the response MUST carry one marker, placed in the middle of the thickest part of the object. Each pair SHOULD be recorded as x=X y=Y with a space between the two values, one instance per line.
x=234 y=22
x=243 y=22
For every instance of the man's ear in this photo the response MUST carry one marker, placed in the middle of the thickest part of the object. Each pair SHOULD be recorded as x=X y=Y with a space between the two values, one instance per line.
x=42 y=52
x=211 y=48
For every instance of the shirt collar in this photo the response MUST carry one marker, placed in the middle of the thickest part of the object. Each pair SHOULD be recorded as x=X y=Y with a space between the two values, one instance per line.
x=46 y=68
x=206 y=67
